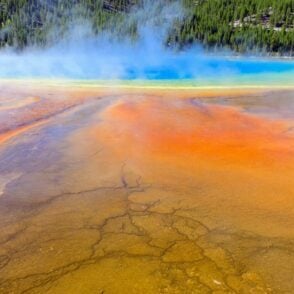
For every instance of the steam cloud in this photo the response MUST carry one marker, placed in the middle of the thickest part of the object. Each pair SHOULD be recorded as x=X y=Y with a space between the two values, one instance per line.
x=82 y=55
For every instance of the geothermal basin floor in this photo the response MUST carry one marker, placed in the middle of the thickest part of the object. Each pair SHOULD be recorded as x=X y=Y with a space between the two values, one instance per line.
x=131 y=190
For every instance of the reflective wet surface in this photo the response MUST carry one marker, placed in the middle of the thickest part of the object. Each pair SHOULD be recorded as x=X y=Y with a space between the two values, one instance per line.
x=146 y=191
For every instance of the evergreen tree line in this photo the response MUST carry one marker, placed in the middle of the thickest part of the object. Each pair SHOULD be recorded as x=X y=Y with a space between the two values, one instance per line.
x=241 y=25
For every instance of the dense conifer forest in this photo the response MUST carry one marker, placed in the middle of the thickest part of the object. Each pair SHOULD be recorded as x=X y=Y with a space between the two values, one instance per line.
x=242 y=25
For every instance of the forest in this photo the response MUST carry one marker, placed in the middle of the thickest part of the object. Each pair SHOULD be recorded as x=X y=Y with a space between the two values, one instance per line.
x=258 y=26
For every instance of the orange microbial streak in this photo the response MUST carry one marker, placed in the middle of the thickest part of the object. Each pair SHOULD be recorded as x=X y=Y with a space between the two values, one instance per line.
x=13 y=133
x=171 y=127
x=19 y=111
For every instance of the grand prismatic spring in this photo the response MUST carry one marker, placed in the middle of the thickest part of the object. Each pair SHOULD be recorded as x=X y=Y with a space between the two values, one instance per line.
x=159 y=186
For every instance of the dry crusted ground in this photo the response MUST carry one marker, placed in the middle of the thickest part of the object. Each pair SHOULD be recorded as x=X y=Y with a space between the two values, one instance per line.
x=136 y=250
x=78 y=216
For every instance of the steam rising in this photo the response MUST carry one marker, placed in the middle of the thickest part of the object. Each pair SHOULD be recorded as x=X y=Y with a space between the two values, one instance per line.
x=83 y=55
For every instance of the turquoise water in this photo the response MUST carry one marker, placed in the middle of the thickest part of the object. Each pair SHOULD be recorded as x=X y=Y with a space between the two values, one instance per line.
x=137 y=65
x=212 y=68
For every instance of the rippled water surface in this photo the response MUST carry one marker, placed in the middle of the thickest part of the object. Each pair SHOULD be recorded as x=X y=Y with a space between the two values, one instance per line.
x=132 y=190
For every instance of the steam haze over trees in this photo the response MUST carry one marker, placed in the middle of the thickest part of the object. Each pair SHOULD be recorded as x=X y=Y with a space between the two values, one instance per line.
x=265 y=26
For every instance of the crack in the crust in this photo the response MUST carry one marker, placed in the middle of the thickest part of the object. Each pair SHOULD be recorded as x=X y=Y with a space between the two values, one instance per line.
x=99 y=228
x=55 y=275
x=13 y=236
x=90 y=260
x=4 y=260
x=91 y=156
x=265 y=244
x=36 y=208
x=45 y=278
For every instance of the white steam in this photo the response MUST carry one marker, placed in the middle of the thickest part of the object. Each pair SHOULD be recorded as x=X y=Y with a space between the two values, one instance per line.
x=83 y=55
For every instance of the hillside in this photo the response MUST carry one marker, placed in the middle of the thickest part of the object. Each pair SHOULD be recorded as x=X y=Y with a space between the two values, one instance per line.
x=242 y=25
